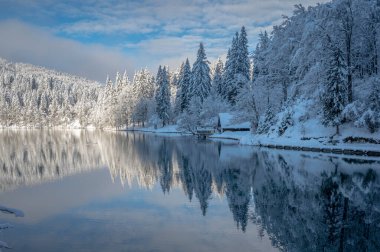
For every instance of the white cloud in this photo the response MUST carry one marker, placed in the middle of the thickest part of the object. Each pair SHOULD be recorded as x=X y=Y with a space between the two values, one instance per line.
x=176 y=27
x=21 y=42
x=155 y=32
x=177 y=15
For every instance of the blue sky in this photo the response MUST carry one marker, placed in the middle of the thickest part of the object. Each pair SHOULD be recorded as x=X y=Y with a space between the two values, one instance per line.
x=92 y=38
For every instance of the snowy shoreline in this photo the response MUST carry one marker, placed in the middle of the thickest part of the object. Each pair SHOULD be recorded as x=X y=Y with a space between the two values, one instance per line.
x=284 y=143
x=246 y=138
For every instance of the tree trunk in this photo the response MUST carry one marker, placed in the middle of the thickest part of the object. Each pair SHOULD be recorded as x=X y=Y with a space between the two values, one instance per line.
x=337 y=130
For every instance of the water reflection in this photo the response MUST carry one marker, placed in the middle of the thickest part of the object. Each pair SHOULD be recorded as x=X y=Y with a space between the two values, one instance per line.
x=303 y=202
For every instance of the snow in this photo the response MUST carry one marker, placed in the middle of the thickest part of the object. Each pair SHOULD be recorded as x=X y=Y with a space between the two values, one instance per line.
x=226 y=122
x=4 y=245
x=7 y=210
x=74 y=125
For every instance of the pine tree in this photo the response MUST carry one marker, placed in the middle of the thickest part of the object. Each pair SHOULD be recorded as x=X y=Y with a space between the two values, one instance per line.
x=230 y=70
x=143 y=92
x=266 y=122
x=108 y=82
x=178 y=98
x=201 y=81
x=237 y=71
x=125 y=80
x=185 y=86
x=259 y=55
x=158 y=84
x=335 y=95
x=118 y=82
x=163 y=96
x=217 y=81
x=243 y=55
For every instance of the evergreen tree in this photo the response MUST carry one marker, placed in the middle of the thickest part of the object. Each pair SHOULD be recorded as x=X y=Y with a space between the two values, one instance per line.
x=335 y=94
x=125 y=80
x=178 y=98
x=201 y=81
x=217 y=81
x=118 y=82
x=158 y=84
x=163 y=96
x=266 y=122
x=230 y=70
x=185 y=86
x=243 y=55
x=237 y=71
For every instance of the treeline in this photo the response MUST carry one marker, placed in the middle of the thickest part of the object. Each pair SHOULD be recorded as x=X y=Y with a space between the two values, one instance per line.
x=322 y=62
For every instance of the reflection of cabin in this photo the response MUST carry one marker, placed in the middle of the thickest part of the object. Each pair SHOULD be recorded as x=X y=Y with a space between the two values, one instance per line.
x=225 y=123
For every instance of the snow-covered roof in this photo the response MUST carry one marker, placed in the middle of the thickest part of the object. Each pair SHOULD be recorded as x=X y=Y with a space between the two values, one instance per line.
x=226 y=122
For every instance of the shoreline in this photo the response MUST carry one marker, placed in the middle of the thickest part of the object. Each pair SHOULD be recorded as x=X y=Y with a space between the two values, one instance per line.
x=280 y=143
x=246 y=138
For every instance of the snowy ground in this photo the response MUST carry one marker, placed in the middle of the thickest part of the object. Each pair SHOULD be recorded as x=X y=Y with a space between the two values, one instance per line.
x=315 y=141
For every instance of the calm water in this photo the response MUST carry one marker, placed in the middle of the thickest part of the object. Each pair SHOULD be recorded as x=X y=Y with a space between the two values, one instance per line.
x=93 y=191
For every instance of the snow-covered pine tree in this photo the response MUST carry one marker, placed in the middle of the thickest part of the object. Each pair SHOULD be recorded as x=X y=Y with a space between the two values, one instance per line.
x=118 y=82
x=230 y=68
x=237 y=69
x=178 y=98
x=266 y=121
x=125 y=80
x=158 y=84
x=201 y=81
x=108 y=82
x=243 y=66
x=346 y=17
x=334 y=97
x=185 y=86
x=217 y=81
x=143 y=92
x=163 y=96
x=371 y=116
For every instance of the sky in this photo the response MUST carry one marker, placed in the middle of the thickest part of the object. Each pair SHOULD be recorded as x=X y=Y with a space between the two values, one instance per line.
x=93 y=38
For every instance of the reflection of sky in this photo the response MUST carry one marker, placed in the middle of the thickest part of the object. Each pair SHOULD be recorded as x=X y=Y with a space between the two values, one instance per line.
x=87 y=212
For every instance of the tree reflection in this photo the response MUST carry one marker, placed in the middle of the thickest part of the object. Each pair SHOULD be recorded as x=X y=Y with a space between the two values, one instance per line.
x=303 y=202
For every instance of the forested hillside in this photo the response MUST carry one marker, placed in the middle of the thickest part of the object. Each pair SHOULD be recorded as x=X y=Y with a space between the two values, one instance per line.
x=327 y=55
x=34 y=96
x=317 y=71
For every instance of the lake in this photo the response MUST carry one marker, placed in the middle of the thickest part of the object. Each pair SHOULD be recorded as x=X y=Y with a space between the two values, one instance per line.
x=119 y=191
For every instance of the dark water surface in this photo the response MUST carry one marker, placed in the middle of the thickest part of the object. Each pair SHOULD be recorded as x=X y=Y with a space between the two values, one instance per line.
x=99 y=191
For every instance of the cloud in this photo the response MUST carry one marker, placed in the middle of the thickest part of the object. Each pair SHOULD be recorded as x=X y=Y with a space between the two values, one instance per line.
x=148 y=31
x=176 y=15
x=22 y=42
x=172 y=29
